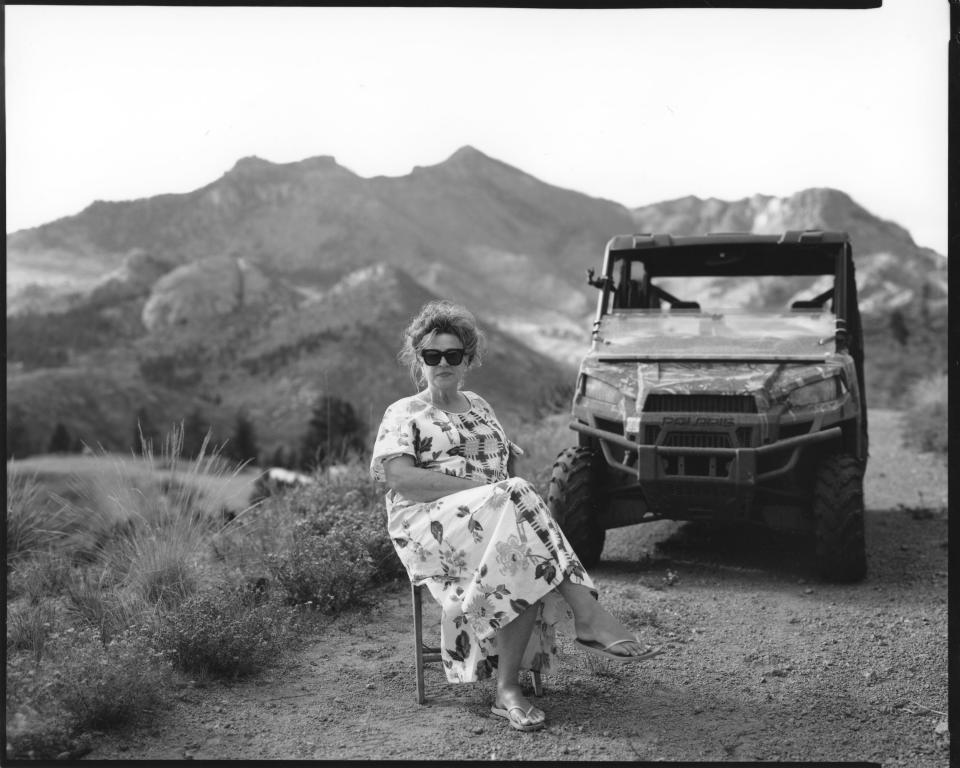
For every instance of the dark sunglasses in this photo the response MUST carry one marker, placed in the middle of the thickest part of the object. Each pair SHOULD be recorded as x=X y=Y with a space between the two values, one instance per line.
x=432 y=356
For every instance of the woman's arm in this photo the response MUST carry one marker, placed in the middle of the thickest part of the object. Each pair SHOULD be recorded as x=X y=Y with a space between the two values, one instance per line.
x=417 y=484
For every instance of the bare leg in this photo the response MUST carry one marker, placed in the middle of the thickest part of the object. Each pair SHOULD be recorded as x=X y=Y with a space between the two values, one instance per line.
x=512 y=640
x=593 y=622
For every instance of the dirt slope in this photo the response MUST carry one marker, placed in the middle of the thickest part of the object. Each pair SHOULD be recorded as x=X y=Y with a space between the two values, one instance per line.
x=763 y=662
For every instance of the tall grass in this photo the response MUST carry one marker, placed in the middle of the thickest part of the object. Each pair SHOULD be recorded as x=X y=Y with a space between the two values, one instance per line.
x=541 y=441
x=146 y=524
x=33 y=523
x=925 y=415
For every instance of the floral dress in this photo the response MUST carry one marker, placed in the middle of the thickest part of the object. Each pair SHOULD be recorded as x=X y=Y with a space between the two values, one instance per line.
x=485 y=553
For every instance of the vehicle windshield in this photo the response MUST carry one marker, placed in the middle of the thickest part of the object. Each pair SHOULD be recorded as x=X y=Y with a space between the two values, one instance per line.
x=665 y=333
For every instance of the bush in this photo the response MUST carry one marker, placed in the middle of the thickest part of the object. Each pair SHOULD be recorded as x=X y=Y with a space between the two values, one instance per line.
x=925 y=417
x=224 y=632
x=81 y=684
x=339 y=545
x=328 y=571
x=105 y=686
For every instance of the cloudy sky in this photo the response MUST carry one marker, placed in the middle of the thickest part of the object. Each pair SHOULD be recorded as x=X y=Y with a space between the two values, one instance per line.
x=632 y=105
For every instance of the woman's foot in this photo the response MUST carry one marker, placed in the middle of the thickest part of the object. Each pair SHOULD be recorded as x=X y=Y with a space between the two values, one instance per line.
x=600 y=629
x=517 y=709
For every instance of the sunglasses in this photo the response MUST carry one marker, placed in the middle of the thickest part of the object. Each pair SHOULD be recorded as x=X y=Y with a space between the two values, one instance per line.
x=432 y=356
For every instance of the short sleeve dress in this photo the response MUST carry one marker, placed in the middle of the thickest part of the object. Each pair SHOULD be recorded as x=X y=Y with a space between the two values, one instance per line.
x=486 y=553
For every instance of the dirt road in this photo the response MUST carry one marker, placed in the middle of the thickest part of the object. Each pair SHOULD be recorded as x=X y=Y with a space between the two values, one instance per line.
x=763 y=661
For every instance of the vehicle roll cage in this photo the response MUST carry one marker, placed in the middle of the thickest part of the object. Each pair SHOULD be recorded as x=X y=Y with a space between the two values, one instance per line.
x=810 y=252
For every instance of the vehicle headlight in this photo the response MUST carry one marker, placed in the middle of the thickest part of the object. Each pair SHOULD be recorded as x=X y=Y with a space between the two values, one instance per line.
x=595 y=389
x=811 y=394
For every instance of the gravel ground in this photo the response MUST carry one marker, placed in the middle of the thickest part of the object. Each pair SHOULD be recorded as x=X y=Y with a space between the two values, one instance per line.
x=763 y=662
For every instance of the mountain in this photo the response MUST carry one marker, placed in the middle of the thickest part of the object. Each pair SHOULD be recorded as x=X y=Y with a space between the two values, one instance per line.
x=277 y=283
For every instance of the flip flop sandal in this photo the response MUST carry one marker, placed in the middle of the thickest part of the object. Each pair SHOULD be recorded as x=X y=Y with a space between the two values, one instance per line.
x=516 y=720
x=604 y=650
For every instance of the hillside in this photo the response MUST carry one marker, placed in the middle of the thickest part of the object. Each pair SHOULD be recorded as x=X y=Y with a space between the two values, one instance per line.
x=280 y=282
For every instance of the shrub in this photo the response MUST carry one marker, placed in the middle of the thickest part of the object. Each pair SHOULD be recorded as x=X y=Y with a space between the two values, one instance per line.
x=339 y=544
x=104 y=686
x=224 y=631
x=925 y=417
x=88 y=686
x=328 y=571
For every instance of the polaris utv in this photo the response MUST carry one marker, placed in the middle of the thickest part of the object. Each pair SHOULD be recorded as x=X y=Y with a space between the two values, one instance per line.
x=724 y=382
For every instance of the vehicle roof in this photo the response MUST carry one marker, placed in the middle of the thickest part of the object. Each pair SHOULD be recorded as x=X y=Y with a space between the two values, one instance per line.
x=807 y=252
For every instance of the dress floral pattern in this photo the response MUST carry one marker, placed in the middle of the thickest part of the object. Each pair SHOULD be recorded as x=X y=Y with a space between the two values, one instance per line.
x=485 y=553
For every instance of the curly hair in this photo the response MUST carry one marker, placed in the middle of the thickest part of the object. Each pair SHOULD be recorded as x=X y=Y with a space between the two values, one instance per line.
x=435 y=317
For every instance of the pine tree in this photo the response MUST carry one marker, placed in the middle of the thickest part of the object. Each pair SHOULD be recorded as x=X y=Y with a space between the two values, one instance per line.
x=242 y=446
x=60 y=441
x=195 y=430
x=18 y=436
x=334 y=432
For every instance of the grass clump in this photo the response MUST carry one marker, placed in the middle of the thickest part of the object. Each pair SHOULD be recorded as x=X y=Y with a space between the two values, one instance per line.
x=224 y=632
x=925 y=415
x=33 y=525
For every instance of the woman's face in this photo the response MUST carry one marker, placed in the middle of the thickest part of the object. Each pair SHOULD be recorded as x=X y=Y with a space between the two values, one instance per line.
x=443 y=377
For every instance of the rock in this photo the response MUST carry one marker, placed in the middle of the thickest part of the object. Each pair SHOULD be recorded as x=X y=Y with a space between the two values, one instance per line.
x=943 y=728
x=478 y=730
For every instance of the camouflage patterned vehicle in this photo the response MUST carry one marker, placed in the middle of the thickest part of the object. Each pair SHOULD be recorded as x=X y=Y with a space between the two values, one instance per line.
x=687 y=410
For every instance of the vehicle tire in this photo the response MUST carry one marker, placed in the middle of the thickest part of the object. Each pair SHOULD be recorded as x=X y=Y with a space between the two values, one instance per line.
x=572 y=498
x=838 y=518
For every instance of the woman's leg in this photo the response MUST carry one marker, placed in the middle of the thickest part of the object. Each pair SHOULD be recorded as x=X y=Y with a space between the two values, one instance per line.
x=593 y=622
x=512 y=641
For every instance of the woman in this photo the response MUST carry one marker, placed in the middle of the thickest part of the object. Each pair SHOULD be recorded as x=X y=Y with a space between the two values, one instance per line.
x=483 y=543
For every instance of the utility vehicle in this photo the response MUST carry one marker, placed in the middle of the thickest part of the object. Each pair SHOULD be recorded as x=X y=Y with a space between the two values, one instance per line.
x=724 y=382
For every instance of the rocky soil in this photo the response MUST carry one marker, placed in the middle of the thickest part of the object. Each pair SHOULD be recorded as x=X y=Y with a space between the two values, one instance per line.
x=763 y=661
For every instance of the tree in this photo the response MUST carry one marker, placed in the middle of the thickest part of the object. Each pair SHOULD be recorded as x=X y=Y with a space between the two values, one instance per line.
x=18 y=436
x=60 y=441
x=195 y=430
x=242 y=446
x=333 y=434
x=898 y=327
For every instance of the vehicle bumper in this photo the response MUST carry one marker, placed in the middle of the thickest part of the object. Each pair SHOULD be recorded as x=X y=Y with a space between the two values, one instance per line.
x=693 y=483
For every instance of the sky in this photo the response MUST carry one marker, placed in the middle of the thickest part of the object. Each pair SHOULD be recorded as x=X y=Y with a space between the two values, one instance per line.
x=635 y=105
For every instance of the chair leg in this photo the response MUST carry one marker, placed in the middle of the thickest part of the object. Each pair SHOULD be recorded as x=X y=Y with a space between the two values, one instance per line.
x=537 y=683
x=418 y=639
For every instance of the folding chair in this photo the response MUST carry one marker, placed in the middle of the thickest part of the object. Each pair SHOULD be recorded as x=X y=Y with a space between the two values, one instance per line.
x=425 y=654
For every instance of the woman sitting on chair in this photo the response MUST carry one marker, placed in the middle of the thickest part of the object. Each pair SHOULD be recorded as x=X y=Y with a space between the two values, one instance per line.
x=484 y=544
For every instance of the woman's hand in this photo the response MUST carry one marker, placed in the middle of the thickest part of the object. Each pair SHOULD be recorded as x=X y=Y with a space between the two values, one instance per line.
x=417 y=484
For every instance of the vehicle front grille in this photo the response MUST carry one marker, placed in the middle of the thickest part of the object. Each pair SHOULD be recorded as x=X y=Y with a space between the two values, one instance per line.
x=698 y=440
x=663 y=403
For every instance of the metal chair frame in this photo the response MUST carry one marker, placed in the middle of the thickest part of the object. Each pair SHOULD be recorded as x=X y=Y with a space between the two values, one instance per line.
x=425 y=654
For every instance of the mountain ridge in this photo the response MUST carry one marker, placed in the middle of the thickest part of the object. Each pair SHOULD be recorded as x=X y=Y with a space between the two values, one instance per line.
x=227 y=296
